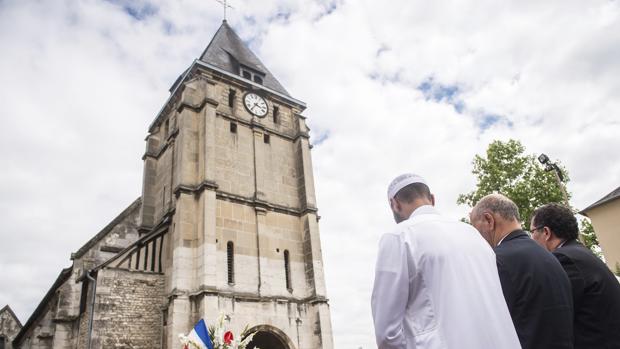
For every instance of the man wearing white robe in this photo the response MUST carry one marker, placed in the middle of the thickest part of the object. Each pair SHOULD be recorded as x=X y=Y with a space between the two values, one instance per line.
x=436 y=281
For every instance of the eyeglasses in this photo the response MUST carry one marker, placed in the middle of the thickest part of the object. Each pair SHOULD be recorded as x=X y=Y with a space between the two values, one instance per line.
x=537 y=228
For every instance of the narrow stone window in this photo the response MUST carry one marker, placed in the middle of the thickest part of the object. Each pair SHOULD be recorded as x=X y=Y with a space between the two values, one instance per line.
x=230 y=261
x=266 y=138
x=276 y=115
x=1 y=342
x=163 y=199
x=231 y=97
x=287 y=270
x=247 y=75
x=166 y=126
x=258 y=79
x=84 y=296
x=233 y=127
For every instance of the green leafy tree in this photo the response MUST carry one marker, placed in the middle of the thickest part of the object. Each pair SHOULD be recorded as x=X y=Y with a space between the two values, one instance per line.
x=589 y=237
x=507 y=170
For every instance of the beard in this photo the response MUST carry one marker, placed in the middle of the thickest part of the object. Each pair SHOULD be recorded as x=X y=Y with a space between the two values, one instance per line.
x=397 y=217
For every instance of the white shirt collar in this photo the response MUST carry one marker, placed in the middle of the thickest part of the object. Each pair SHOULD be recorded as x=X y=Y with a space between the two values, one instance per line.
x=500 y=241
x=424 y=209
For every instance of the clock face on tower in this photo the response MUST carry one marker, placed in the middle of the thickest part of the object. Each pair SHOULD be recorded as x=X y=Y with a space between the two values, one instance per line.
x=255 y=104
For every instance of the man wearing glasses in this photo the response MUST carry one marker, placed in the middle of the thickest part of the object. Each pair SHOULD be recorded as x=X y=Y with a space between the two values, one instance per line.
x=596 y=292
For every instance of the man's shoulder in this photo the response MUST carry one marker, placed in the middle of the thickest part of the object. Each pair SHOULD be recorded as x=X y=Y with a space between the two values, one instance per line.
x=574 y=251
x=525 y=251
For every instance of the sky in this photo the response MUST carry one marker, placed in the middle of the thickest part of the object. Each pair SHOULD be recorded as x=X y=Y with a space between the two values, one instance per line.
x=391 y=87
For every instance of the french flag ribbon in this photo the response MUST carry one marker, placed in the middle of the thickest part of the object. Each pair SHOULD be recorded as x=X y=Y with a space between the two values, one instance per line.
x=200 y=336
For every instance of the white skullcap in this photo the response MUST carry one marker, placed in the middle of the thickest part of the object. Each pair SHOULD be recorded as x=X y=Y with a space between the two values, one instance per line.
x=402 y=181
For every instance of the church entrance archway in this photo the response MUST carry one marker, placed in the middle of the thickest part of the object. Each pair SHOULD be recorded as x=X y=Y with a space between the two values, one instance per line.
x=268 y=337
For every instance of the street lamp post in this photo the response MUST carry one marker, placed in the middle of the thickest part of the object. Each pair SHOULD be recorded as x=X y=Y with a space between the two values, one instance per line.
x=559 y=176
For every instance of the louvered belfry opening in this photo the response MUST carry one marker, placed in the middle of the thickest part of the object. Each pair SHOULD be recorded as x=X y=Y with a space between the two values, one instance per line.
x=287 y=270
x=146 y=254
x=230 y=261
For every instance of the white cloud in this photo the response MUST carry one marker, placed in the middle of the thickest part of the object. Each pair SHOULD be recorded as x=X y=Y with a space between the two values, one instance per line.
x=82 y=80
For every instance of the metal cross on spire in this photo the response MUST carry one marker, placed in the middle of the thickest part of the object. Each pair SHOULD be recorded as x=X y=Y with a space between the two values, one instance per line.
x=225 y=5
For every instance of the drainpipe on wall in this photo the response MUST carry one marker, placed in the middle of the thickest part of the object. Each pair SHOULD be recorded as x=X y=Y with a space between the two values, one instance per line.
x=92 y=308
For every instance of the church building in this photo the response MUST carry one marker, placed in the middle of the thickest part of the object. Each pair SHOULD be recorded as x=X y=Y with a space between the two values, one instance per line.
x=226 y=224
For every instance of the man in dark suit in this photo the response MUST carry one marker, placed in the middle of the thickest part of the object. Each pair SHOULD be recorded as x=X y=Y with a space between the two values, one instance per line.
x=536 y=289
x=596 y=291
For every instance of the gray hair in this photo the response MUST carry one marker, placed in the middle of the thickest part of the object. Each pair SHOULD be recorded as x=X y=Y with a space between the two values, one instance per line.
x=499 y=204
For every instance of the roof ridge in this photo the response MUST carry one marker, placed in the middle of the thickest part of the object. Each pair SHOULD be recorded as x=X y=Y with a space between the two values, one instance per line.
x=228 y=51
x=605 y=199
x=10 y=311
x=102 y=233
x=213 y=38
x=65 y=273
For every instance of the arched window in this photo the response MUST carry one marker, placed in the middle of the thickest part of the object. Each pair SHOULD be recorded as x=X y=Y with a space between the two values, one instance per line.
x=287 y=270
x=230 y=261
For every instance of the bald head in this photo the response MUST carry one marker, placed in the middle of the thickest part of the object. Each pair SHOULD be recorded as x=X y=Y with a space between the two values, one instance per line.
x=499 y=205
x=495 y=216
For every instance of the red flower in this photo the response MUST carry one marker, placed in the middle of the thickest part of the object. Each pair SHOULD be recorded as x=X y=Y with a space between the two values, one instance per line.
x=228 y=337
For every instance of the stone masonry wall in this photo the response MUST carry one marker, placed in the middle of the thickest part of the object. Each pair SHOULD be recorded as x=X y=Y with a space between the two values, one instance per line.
x=9 y=327
x=128 y=310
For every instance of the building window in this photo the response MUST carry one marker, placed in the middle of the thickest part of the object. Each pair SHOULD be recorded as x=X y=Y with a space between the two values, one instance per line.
x=163 y=199
x=1 y=342
x=84 y=296
x=166 y=126
x=252 y=75
x=231 y=98
x=287 y=270
x=276 y=115
x=233 y=127
x=230 y=261
x=266 y=138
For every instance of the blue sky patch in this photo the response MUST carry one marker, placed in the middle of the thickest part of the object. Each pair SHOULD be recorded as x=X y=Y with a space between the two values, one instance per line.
x=320 y=137
x=282 y=16
x=137 y=9
x=328 y=8
x=488 y=120
x=392 y=78
x=437 y=92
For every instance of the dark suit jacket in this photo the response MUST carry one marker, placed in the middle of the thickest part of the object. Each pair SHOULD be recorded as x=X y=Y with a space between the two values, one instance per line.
x=537 y=291
x=596 y=295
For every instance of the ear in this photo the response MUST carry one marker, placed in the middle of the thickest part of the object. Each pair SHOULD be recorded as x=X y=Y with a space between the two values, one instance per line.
x=432 y=199
x=395 y=205
x=547 y=233
x=488 y=218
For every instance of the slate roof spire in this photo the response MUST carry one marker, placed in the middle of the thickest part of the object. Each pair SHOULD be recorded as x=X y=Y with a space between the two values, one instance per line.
x=228 y=52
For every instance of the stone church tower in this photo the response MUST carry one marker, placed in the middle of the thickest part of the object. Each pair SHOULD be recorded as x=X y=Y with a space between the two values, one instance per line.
x=227 y=223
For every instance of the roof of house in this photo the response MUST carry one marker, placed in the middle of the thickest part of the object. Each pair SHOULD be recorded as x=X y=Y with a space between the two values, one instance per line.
x=615 y=194
x=62 y=277
x=10 y=311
